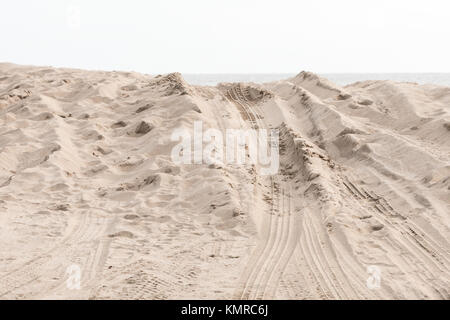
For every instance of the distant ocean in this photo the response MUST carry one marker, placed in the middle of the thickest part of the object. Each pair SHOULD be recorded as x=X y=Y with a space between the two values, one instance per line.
x=338 y=78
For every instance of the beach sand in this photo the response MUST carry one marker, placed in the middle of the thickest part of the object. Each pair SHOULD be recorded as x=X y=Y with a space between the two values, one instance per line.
x=90 y=195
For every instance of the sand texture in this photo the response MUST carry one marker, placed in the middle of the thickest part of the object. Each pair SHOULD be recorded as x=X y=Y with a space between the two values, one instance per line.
x=88 y=187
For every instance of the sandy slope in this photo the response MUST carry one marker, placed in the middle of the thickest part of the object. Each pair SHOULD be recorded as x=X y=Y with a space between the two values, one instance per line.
x=86 y=180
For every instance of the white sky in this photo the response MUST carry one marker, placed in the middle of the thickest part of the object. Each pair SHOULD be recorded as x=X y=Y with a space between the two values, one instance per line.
x=229 y=36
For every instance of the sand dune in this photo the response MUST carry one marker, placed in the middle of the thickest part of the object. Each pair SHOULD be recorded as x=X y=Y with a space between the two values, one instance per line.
x=88 y=188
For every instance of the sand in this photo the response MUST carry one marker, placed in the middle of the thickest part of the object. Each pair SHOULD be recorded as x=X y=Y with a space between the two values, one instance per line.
x=92 y=206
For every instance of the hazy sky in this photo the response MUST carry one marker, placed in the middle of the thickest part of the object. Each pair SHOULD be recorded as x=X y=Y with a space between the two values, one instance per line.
x=229 y=36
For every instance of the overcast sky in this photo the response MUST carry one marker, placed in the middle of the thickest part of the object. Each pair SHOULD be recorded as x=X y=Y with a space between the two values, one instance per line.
x=229 y=36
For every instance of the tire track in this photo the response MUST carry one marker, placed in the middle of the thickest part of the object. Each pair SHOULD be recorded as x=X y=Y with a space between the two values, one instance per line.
x=270 y=224
x=262 y=272
x=422 y=258
x=277 y=245
x=331 y=277
x=404 y=226
x=270 y=286
x=89 y=226
x=91 y=258
x=31 y=270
